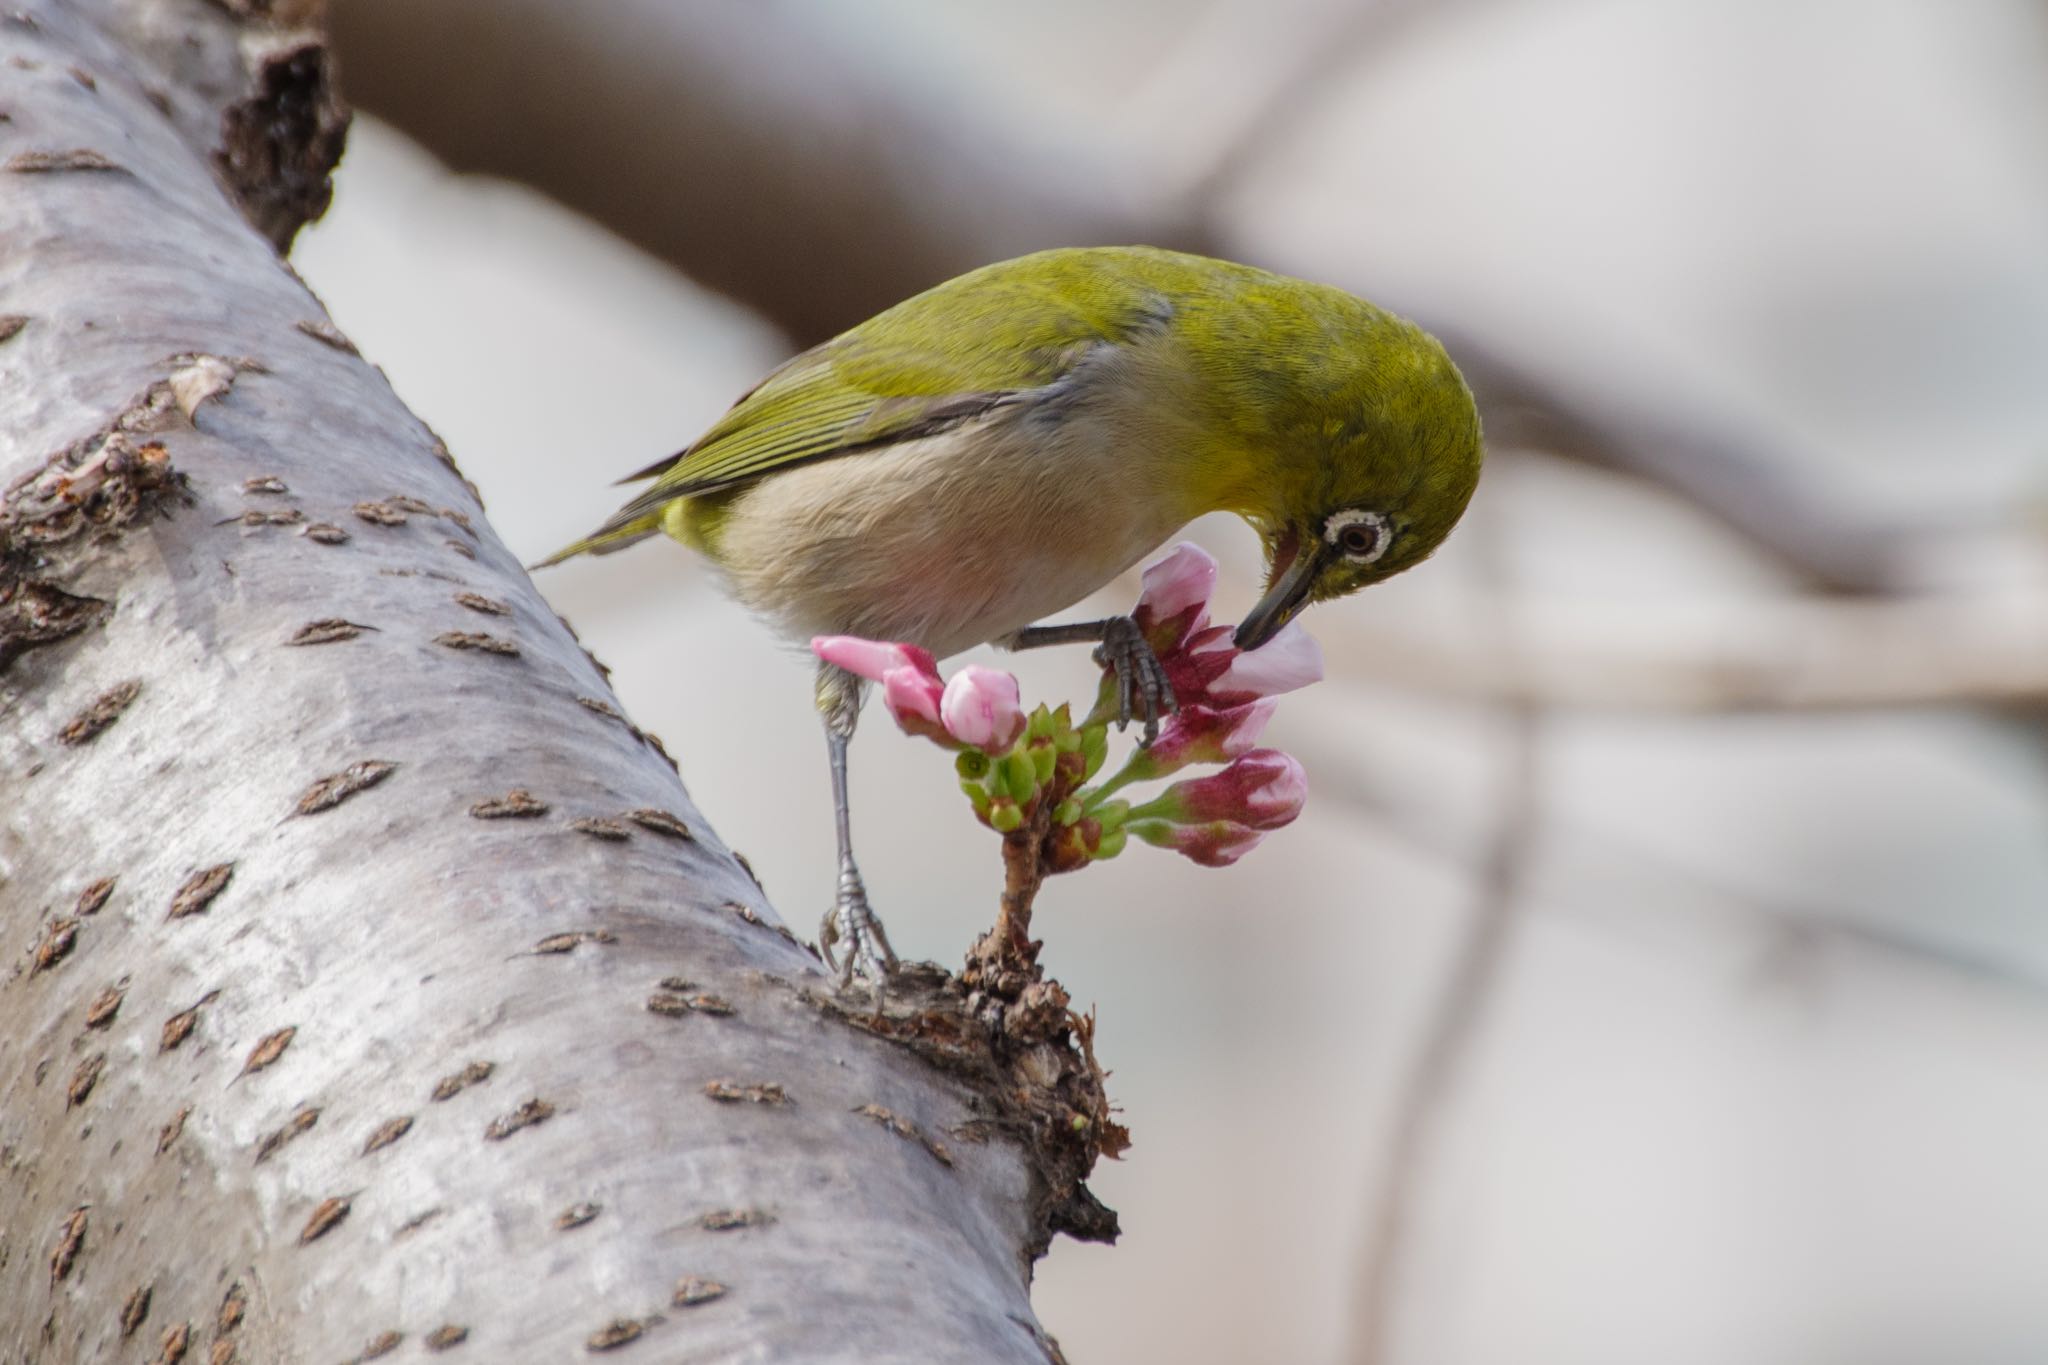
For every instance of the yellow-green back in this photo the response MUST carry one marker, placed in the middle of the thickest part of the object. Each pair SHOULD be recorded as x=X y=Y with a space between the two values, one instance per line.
x=1306 y=397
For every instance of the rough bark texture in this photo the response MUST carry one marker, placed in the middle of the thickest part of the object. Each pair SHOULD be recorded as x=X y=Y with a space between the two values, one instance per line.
x=371 y=979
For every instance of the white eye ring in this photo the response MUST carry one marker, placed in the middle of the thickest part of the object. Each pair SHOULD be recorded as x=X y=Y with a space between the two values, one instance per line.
x=1340 y=522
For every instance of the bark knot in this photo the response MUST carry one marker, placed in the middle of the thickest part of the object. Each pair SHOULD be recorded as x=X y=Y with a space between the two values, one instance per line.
x=279 y=143
x=54 y=518
x=1028 y=1060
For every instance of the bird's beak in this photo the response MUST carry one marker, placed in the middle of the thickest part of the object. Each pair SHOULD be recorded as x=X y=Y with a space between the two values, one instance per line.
x=1285 y=596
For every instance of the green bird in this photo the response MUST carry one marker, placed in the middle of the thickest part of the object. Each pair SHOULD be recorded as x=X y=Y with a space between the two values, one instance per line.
x=991 y=451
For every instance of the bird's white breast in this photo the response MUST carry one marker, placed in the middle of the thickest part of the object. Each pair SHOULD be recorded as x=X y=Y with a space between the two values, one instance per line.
x=954 y=539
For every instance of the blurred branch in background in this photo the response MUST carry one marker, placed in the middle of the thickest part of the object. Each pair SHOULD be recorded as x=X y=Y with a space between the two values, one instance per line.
x=1654 y=424
x=1790 y=653
x=1421 y=1109
x=1800 y=928
x=792 y=165
x=1421 y=1105
x=1246 y=82
x=740 y=143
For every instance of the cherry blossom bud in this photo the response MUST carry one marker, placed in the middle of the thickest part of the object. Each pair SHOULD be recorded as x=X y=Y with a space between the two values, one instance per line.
x=1200 y=734
x=979 y=708
x=873 y=659
x=909 y=676
x=1261 y=790
x=1218 y=843
x=1175 y=600
x=913 y=697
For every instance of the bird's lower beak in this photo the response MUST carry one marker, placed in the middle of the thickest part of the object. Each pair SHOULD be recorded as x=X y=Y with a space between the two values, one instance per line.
x=1284 y=599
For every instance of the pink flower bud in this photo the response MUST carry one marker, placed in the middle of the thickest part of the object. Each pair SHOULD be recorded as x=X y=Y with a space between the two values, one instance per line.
x=909 y=676
x=1290 y=660
x=1216 y=844
x=979 y=708
x=873 y=659
x=913 y=697
x=1263 y=789
x=1175 y=600
x=1201 y=734
x=1202 y=665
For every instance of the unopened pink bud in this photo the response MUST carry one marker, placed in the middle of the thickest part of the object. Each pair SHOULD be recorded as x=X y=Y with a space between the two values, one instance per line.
x=873 y=659
x=1218 y=843
x=913 y=697
x=1201 y=734
x=1263 y=789
x=1174 y=602
x=979 y=708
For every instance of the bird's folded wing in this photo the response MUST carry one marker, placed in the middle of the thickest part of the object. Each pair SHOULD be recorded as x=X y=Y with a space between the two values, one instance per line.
x=985 y=341
x=814 y=406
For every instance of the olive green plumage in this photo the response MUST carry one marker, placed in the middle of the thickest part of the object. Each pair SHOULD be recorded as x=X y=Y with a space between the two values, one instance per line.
x=1126 y=388
x=995 y=449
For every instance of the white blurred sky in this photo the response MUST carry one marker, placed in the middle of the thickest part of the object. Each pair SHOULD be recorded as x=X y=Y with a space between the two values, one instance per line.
x=1767 y=1078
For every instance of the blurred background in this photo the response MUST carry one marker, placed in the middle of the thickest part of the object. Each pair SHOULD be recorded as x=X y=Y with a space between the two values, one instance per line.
x=1660 y=969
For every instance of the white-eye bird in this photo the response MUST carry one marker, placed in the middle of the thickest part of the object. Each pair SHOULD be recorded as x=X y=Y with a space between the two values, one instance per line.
x=996 y=448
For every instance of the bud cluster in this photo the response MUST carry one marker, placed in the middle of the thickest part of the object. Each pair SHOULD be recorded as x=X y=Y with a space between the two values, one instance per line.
x=1032 y=773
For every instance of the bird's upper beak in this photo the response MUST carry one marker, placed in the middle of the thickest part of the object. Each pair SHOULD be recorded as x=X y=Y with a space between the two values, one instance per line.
x=1285 y=596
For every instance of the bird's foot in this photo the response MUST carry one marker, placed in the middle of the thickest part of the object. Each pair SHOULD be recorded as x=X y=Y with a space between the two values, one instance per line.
x=852 y=922
x=1142 y=689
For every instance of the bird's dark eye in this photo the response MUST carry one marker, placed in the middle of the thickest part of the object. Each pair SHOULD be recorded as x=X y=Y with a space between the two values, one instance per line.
x=1360 y=536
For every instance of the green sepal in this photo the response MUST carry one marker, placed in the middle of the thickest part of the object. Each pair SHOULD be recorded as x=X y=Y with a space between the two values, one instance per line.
x=1094 y=748
x=1019 y=775
x=1004 y=816
x=1104 y=710
x=1168 y=808
x=1112 y=814
x=978 y=796
x=1043 y=757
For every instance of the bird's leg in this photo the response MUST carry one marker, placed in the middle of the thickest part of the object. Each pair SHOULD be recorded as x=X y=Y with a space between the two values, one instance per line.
x=1142 y=689
x=850 y=920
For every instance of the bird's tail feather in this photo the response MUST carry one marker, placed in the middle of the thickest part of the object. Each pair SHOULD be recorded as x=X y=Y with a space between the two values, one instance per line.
x=609 y=540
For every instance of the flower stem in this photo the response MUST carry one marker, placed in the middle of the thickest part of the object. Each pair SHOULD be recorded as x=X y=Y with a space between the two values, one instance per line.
x=1023 y=874
x=1109 y=786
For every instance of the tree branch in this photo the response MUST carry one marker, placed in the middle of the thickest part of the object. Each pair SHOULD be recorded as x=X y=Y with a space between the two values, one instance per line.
x=1795 y=653
x=376 y=979
x=734 y=140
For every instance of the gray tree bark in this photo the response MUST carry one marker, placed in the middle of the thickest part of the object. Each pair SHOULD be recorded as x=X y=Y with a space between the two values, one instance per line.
x=373 y=983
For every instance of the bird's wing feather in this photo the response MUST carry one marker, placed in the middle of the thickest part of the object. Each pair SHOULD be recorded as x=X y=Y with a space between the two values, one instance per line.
x=811 y=409
x=972 y=345
x=826 y=401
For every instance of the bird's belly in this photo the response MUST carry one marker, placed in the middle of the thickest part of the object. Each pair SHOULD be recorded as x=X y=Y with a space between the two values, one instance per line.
x=944 y=542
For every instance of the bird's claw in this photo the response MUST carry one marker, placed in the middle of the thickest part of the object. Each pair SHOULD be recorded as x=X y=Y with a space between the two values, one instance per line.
x=852 y=921
x=1142 y=688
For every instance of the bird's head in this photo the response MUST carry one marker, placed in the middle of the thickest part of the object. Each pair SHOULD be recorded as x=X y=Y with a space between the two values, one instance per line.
x=1371 y=451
